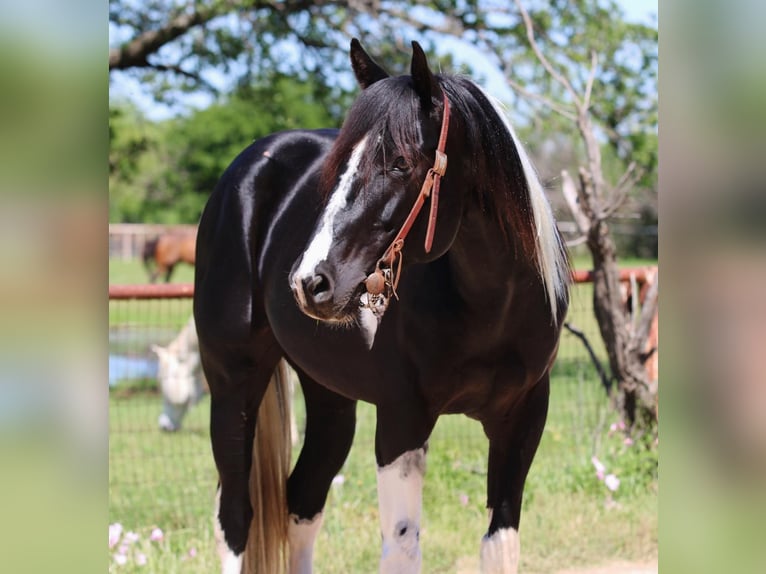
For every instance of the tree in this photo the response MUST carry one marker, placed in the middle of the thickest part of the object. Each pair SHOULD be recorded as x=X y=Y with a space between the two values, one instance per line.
x=165 y=172
x=172 y=46
x=134 y=166
x=592 y=202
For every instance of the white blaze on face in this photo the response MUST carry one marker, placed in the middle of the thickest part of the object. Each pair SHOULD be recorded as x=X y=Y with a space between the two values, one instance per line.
x=500 y=552
x=400 y=492
x=319 y=247
x=301 y=535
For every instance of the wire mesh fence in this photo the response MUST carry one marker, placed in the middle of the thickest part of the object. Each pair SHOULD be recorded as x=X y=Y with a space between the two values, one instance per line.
x=168 y=479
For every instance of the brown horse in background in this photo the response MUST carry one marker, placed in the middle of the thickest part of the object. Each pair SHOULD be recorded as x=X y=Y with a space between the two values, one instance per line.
x=167 y=250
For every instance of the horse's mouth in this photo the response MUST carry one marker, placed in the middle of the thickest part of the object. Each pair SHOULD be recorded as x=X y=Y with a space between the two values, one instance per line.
x=343 y=313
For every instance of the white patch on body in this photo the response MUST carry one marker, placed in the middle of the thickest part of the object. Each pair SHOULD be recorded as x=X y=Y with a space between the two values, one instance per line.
x=400 y=493
x=319 y=246
x=551 y=261
x=301 y=535
x=500 y=552
x=230 y=563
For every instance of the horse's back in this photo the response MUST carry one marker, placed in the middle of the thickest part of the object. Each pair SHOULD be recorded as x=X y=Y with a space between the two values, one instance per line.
x=236 y=221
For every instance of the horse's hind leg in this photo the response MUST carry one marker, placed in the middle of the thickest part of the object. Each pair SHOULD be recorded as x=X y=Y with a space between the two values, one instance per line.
x=169 y=272
x=512 y=446
x=330 y=425
x=238 y=377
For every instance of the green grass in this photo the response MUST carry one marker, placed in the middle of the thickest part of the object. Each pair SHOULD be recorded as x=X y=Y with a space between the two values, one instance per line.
x=168 y=481
x=569 y=519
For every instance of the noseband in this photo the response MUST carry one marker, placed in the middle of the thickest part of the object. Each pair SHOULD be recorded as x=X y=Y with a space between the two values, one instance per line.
x=383 y=278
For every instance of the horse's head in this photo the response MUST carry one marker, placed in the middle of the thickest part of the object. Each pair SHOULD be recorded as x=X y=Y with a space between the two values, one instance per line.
x=372 y=178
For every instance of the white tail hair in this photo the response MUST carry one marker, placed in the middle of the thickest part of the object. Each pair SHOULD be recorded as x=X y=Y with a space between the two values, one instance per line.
x=551 y=258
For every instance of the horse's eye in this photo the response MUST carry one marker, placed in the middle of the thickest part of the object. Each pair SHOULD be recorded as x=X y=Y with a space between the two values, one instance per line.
x=400 y=164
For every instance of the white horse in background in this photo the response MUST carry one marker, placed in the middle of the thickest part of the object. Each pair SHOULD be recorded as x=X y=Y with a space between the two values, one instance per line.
x=183 y=383
x=180 y=376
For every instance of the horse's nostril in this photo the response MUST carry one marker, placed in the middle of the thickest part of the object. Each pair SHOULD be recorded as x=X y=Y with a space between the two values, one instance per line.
x=318 y=287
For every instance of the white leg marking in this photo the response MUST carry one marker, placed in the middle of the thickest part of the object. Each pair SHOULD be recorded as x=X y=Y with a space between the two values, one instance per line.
x=301 y=535
x=400 y=493
x=500 y=552
x=230 y=563
x=319 y=247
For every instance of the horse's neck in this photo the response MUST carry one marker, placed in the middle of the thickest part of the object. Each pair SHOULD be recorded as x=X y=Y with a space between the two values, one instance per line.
x=484 y=263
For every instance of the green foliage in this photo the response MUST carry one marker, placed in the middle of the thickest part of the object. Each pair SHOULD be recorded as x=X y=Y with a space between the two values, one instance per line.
x=164 y=172
x=135 y=145
x=251 y=44
x=210 y=139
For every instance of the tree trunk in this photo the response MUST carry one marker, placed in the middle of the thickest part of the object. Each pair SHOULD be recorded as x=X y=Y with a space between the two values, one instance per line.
x=633 y=399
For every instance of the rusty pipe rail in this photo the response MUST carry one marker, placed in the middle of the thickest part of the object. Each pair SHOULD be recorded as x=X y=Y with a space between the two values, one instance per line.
x=186 y=290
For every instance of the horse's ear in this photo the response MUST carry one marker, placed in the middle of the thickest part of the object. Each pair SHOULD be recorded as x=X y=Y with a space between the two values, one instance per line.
x=424 y=81
x=366 y=70
x=161 y=352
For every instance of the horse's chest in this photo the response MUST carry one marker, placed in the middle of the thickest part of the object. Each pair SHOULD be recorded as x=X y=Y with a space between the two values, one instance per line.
x=474 y=385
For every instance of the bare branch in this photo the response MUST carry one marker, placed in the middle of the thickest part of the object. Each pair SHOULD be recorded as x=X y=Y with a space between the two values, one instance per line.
x=648 y=311
x=559 y=109
x=591 y=79
x=614 y=205
x=569 y=190
x=541 y=57
x=180 y=71
x=135 y=54
x=606 y=380
x=621 y=190
x=579 y=240
x=629 y=177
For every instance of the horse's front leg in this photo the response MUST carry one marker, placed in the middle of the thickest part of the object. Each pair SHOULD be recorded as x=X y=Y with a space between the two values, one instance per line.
x=400 y=449
x=513 y=441
x=330 y=425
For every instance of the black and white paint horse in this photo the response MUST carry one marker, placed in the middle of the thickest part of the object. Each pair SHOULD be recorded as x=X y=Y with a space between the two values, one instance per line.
x=313 y=249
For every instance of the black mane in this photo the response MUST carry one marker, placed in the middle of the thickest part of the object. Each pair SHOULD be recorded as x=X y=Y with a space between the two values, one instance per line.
x=391 y=107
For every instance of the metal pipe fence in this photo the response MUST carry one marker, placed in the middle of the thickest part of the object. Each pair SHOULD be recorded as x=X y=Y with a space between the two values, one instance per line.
x=168 y=479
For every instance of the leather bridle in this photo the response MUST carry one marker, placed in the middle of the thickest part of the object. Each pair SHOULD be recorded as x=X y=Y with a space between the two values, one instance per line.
x=382 y=277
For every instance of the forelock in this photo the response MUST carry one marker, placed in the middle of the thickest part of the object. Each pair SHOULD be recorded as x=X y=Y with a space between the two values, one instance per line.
x=386 y=111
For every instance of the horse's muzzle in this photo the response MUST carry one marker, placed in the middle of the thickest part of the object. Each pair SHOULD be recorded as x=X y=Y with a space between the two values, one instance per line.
x=314 y=292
